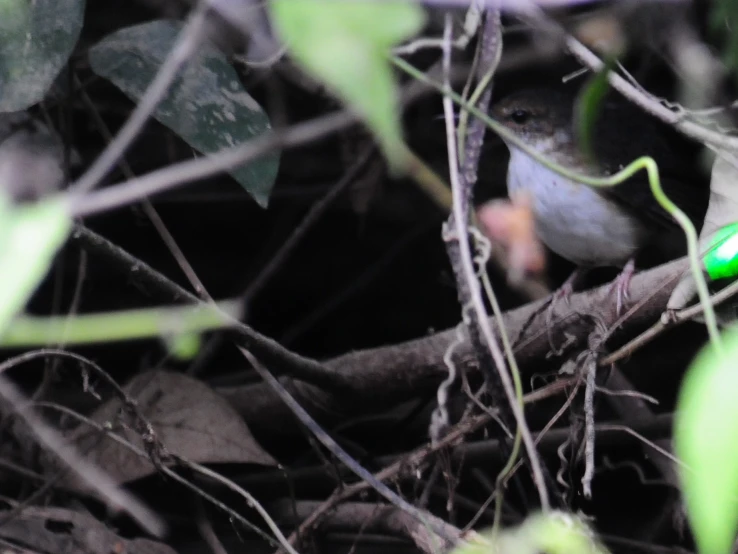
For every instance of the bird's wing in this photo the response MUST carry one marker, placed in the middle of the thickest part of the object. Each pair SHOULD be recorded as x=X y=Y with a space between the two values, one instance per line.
x=638 y=136
x=636 y=195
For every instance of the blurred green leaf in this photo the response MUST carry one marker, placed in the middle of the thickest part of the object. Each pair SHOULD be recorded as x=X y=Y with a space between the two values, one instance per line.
x=553 y=533
x=722 y=21
x=29 y=331
x=704 y=439
x=721 y=259
x=185 y=346
x=30 y=236
x=36 y=40
x=588 y=106
x=207 y=105
x=345 y=45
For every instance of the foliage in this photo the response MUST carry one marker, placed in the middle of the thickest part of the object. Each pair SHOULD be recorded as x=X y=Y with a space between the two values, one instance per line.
x=723 y=21
x=36 y=40
x=345 y=45
x=704 y=439
x=29 y=238
x=207 y=106
x=553 y=533
x=588 y=106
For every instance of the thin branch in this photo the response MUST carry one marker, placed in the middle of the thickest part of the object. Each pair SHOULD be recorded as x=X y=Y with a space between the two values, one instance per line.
x=420 y=361
x=634 y=412
x=472 y=289
x=99 y=481
x=668 y=321
x=148 y=207
x=398 y=465
x=413 y=459
x=178 y=174
x=304 y=368
x=341 y=454
x=589 y=424
x=250 y=500
x=187 y=42
x=640 y=98
x=315 y=213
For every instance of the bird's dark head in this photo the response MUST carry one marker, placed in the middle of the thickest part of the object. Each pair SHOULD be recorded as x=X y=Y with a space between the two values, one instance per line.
x=539 y=116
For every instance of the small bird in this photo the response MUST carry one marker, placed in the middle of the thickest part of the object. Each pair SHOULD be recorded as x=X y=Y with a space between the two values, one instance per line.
x=597 y=227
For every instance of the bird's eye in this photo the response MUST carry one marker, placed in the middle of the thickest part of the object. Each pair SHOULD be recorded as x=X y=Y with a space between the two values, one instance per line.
x=520 y=116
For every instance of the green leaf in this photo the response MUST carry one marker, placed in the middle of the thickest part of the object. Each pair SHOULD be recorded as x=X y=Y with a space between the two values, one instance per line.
x=30 y=235
x=723 y=18
x=345 y=45
x=36 y=40
x=721 y=260
x=207 y=105
x=588 y=105
x=184 y=347
x=704 y=439
x=552 y=532
x=30 y=331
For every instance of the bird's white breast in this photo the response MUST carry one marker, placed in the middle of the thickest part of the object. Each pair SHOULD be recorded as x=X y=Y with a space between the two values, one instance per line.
x=572 y=219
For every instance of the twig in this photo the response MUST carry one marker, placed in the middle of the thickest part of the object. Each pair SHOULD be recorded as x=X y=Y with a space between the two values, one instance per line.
x=641 y=99
x=420 y=361
x=356 y=283
x=192 y=170
x=341 y=454
x=635 y=412
x=187 y=43
x=251 y=501
x=99 y=481
x=382 y=523
x=148 y=207
x=556 y=386
x=471 y=288
x=304 y=368
x=413 y=459
x=667 y=322
x=315 y=213
x=668 y=455
x=205 y=528
x=470 y=147
x=402 y=464
x=589 y=425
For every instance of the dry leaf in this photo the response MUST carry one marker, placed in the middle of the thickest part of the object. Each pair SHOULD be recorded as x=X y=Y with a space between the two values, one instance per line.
x=51 y=530
x=189 y=418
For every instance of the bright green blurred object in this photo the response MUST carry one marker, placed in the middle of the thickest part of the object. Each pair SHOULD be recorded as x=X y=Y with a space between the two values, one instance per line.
x=184 y=347
x=142 y=323
x=552 y=532
x=588 y=107
x=704 y=439
x=30 y=236
x=721 y=261
x=345 y=45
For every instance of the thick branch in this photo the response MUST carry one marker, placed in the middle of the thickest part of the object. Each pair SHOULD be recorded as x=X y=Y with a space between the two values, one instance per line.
x=383 y=377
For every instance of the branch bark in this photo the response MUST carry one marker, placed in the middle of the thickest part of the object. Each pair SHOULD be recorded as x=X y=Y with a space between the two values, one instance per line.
x=383 y=377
